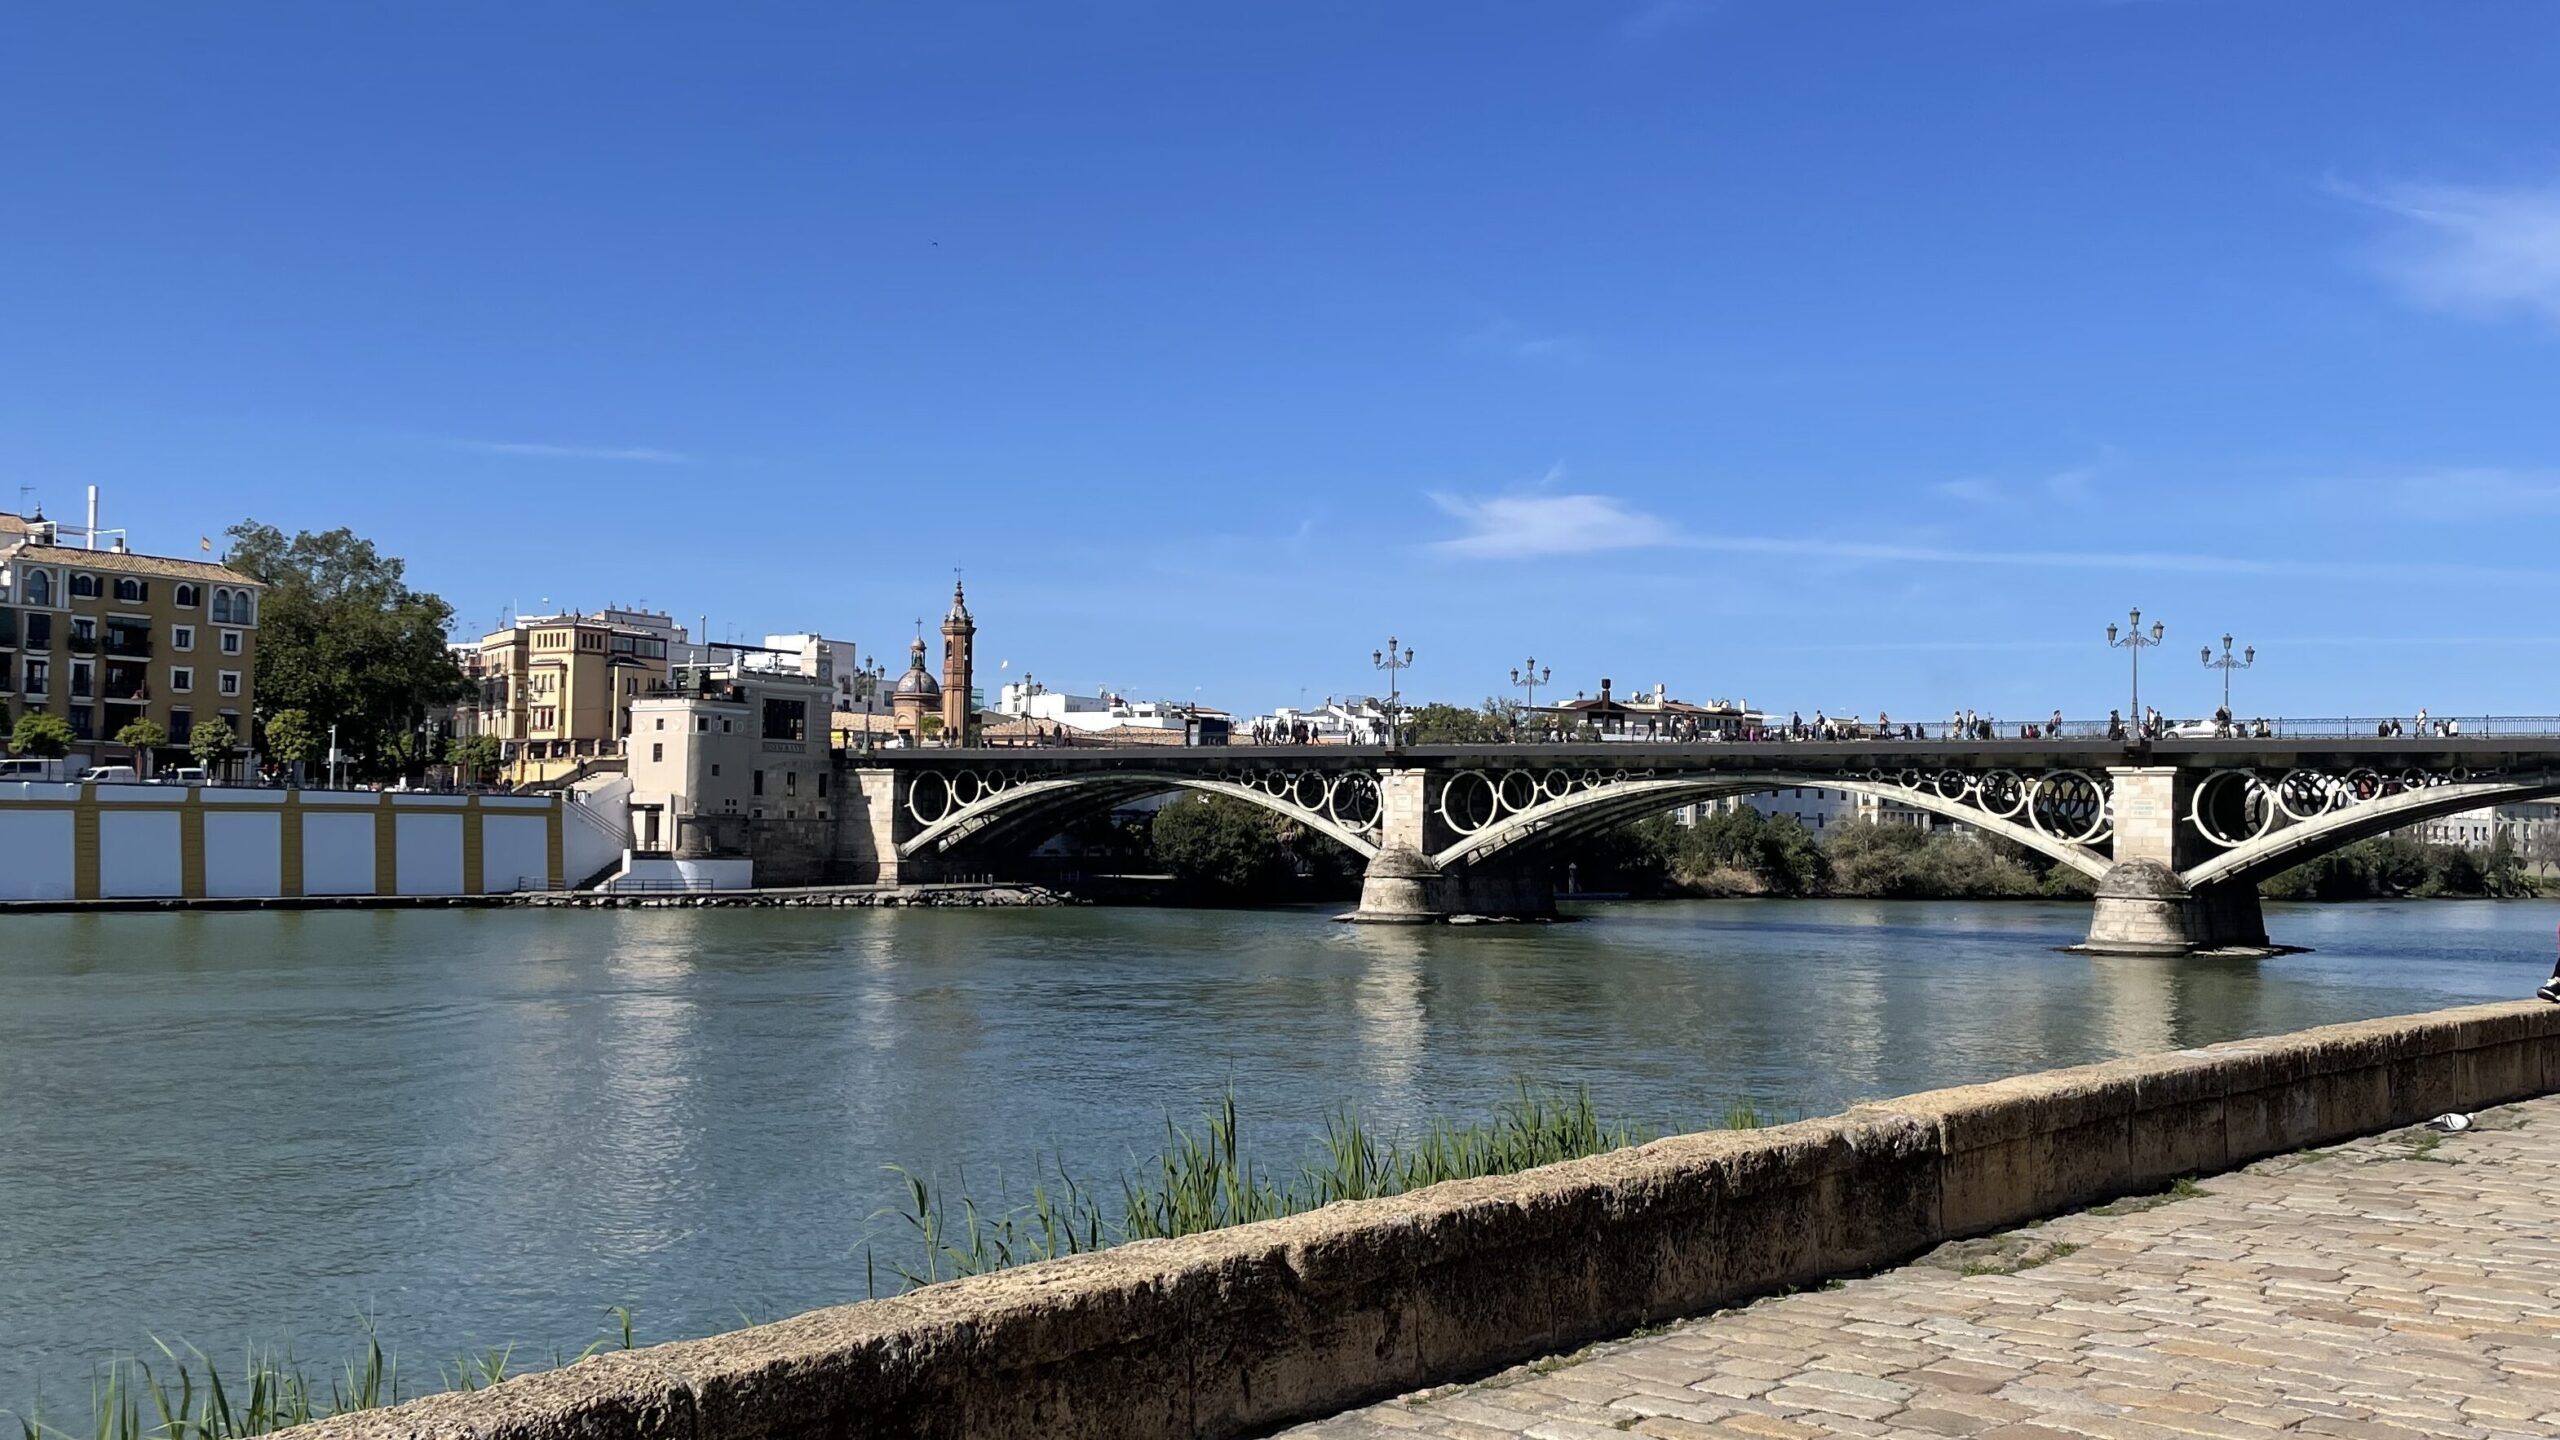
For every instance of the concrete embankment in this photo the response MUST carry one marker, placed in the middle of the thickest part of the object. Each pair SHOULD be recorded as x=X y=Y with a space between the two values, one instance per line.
x=1240 y=1330
x=840 y=897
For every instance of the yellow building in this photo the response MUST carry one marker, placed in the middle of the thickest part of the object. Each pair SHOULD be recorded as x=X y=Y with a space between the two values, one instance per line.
x=557 y=690
x=106 y=637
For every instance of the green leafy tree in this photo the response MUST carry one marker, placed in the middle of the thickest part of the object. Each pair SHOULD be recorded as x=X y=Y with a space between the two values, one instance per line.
x=212 y=742
x=1443 y=724
x=143 y=734
x=1226 y=846
x=291 y=737
x=40 y=736
x=344 y=639
x=474 y=757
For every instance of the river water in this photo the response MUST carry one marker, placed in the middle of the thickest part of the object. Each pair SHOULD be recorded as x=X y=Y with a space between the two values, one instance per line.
x=485 y=1127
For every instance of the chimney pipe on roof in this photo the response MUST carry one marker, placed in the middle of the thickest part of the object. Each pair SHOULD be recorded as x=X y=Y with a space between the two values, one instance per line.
x=93 y=517
x=1604 y=687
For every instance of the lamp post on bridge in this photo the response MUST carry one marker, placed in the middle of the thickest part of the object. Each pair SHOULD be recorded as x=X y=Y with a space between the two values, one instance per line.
x=2136 y=641
x=866 y=678
x=2248 y=657
x=1529 y=677
x=1391 y=661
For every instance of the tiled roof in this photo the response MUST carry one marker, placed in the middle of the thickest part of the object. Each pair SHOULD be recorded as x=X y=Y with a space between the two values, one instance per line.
x=126 y=562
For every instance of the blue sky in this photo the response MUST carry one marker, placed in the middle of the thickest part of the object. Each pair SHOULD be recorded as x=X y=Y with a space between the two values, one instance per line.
x=1821 y=354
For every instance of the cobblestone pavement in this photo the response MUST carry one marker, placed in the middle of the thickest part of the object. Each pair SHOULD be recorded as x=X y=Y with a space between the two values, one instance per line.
x=2397 y=1287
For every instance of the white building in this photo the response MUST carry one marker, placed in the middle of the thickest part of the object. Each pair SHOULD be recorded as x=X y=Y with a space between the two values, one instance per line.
x=1335 y=722
x=724 y=747
x=2530 y=828
x=1029 y=699
x=1821 y=809
x=836 y=662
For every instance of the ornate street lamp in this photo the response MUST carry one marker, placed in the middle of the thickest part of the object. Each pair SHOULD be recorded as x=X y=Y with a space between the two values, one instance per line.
x=1391 y=661
x=2136 y=641
x=2248 y=657
x=1529 y=677
x=866 y=679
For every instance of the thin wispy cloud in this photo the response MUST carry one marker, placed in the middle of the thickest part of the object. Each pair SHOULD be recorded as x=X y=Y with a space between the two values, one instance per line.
x=626 y=454
x=2476 y=493
x=1970 y=490
x=1521 y=526
x=2480 y=250
x=1510 y=527
x=1506 y=338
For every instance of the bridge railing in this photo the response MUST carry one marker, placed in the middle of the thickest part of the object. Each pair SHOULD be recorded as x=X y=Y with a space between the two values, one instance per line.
x=2464 y=727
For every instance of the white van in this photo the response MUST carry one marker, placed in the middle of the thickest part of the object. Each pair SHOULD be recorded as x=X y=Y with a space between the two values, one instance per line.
x=110 y=775
x=28 y=767
x=184 y=775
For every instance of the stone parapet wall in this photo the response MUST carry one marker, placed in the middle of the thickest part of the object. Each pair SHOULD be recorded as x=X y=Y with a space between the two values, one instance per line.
x=1238 y=1331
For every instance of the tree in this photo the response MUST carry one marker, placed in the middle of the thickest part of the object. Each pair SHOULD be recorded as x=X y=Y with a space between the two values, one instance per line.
x=1224 y=845
x=1444 y=724
x=343 y=639
x=143 y=734
x=291 y=737
x=212 y=742
x=40 y=736
x=473 y=757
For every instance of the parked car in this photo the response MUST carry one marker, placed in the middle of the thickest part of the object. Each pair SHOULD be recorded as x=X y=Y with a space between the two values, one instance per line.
x=185 y=775
x=2193 y=730
x=31 y=768
x=110 y=775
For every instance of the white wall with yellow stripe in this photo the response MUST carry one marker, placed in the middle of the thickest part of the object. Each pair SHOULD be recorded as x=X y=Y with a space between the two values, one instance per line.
x=112 y=842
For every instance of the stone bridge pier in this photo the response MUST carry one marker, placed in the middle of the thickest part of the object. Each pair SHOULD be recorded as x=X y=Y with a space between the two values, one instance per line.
x=1405 y=885
x=2145 y=904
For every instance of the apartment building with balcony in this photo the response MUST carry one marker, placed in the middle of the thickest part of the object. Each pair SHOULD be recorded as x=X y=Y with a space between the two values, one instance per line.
x=557 y=690
x=106 y=636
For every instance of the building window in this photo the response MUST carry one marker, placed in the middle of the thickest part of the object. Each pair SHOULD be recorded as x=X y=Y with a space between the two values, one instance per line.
x=84 y=587
x=82 y=727
x=39 y=632
x=724 y=727
x=822 y=791
x=39 y=587
x=182 y=680
x=715 y=774
x=702 y=722
x=83 y=679
x=229 y=684
x=759 y=782
x=657 y=752
x=181 y=720
x=790 y=782
x=662 y=723
x=39 y=675
x=84 y=633
x=182 y=637
x=184 y=597
x=131 y=591
x=230 y=642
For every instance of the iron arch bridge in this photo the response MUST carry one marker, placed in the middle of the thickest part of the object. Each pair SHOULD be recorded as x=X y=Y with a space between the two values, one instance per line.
x=2177 y=834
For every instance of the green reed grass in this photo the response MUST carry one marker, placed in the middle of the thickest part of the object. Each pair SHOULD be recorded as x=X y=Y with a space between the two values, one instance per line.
x=1205 y=1178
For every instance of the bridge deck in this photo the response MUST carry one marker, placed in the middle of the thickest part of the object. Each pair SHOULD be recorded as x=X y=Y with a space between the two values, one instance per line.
x=2388 y=1290
x=1786 y=755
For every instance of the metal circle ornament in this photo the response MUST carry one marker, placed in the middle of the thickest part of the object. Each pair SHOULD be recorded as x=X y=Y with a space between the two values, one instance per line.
x=2069 y=805
x=2232 y=807
x=1477 y=805
x=2001 y=793
x=937 y=785
x=1352 y=802
x=2308 y=794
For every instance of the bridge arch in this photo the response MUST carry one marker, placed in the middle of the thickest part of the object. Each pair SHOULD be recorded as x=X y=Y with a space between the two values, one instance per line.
x=1009 y=815
x=2281 y=849
x=1622 y=802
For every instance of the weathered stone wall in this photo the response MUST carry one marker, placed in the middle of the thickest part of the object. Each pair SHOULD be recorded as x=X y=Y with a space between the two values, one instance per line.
x=1230 y=1333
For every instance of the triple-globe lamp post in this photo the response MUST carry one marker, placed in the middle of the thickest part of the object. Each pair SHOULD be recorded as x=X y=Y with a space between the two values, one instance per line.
x=2136 y=642
x=1392 y=659
x=2248 y=657
x=1529 y=677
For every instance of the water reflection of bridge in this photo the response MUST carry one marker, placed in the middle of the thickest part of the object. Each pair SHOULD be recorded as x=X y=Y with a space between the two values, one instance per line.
x=2176 y=833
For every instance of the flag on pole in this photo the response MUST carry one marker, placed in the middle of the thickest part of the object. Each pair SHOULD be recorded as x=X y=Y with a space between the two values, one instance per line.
x=204 y=542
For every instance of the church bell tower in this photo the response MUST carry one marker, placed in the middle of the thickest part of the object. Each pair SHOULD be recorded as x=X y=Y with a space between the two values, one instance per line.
x=959 y=639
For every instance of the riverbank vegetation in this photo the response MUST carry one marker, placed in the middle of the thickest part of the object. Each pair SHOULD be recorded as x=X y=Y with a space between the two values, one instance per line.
x=2392 y=867
x=1207 y=1178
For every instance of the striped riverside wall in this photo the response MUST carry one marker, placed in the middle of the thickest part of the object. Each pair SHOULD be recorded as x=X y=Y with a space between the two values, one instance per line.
x=67 y=842
x=1238 y=1331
